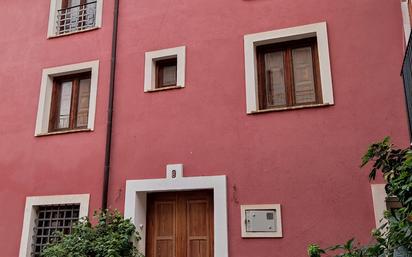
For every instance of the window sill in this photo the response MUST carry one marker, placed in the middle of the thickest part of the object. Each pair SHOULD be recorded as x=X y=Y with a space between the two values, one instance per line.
x=64 y=132
x=73 y=32
x=290 y=108
x=164 y=88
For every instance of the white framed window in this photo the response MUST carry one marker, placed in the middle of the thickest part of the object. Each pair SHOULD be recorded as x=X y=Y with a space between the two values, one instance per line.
x=72 y=16
x=77 y=205
x=165 y=69
x=57 y=103
x=261 y=220
x=288 y=69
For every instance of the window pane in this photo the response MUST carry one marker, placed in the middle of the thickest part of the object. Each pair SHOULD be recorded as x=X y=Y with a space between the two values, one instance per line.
x=83 y=104
x=65 y=104
x=275 y=79
x=72 y=3
x=169 y=75
x=303 y=75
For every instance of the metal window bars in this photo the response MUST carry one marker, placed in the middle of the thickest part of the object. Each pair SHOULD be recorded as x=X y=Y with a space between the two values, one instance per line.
x=76 y=18
x=50 y=219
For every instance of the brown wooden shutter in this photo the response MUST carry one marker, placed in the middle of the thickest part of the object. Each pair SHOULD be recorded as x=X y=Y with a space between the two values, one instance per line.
x=303 y=78
x=83 y=103
x=275 y=79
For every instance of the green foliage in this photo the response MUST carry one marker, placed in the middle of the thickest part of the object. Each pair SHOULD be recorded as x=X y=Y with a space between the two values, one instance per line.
x=350 y=249
x=111 y=236
x=396 y=233
x=315 y=251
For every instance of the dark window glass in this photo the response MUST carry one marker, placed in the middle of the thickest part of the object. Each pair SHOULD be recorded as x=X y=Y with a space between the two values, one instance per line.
x=288 y=74
x=166 y=73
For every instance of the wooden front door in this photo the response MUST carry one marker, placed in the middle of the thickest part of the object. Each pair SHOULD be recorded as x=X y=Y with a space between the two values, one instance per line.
x=180 y=224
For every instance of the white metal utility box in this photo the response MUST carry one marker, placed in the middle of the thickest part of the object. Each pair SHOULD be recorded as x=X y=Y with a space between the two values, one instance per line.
x=262 y=220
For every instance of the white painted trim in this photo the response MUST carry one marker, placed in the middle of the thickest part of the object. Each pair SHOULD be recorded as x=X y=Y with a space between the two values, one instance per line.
x=135 y=204
x=379 y=203
x=99 y=13
x=281 y=35
x=30 y=214
x=43 y=111
x=174 y=171
x=56 y=5
x=150 y=66
x=406 y=20
x=244 y=208
x=51 y=28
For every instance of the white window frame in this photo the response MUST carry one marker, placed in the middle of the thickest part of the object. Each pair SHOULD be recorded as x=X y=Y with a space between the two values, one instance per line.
x=150 y=67
x=56 y=5
x=32 y=202
x=277 y=234
x=136 y=197
x=406 y=20
x=379 y=203
x=46 y=88
x=251 y=41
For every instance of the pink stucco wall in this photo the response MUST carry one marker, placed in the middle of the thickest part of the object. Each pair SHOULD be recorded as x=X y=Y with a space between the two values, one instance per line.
x=307 y=160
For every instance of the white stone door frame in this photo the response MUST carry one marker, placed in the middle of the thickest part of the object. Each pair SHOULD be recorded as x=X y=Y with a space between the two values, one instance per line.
x=136 y=196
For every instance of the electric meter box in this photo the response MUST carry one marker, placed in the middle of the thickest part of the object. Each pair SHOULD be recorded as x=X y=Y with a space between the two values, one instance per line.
x=261 y=220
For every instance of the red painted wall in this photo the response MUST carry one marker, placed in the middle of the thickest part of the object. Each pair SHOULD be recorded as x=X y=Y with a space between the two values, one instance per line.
x=307 y=160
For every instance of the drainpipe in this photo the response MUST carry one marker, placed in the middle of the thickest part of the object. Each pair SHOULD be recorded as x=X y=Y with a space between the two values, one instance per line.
x=110 y=108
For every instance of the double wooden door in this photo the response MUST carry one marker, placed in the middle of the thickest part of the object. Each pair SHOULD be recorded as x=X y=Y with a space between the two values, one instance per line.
x=180 y=224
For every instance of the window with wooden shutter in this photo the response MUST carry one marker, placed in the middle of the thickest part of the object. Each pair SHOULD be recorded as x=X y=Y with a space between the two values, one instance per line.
x=288 y=74
x=70 y=102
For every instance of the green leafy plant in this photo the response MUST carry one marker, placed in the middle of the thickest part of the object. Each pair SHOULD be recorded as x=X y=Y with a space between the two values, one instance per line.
x=395 y=236
x=111 y=236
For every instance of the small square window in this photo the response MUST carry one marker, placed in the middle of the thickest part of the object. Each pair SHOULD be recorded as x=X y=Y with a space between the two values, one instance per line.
x=288 y=74
x=166 y=73
x=70 y=102
x=164 y=69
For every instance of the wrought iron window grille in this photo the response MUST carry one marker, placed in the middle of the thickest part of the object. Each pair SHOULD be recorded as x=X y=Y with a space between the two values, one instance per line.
x=51 y=219
x=76 y=18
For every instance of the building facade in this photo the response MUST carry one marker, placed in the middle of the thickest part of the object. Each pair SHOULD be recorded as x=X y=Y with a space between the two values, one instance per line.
x=238 y=126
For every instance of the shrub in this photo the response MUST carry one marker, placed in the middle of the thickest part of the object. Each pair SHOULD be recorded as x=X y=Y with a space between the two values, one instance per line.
x=111 y=236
